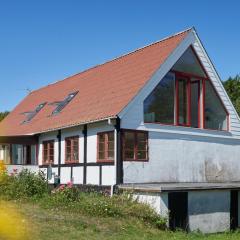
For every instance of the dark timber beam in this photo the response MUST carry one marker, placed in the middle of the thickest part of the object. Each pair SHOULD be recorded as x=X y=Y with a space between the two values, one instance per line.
x=119 y=163
x=27 y=140
x=59 y=136
x=85 y=154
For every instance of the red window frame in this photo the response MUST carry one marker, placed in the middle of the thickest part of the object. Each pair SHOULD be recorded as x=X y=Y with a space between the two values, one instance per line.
x=73 y=140
x=188 y=88
x=135 y=153
x=47 y=147
x=106 y=146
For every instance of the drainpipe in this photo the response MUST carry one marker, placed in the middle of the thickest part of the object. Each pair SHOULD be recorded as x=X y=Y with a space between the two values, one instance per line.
x=85 y=154
x=119 y=163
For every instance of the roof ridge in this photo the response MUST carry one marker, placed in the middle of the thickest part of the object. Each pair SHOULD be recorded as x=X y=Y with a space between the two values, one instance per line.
x=116 y=58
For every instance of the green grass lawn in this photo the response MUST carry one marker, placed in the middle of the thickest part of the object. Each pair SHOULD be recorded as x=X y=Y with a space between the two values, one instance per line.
x=62 y=225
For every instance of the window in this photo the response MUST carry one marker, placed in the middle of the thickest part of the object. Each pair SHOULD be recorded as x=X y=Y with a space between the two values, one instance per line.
x=30 y=115
x=159 y=105
x=215 y=116
x=48 y=152
x=62 y=104
x=72 y=149
x=186 y=97
x=183 y=101
x=5 y=153
x=191 y=109
x=105 y=146
x=135 y=145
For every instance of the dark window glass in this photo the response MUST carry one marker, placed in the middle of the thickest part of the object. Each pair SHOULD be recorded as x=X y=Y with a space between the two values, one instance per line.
x=72 y=149
x=30 y=115
x=183 y=101
x=48 y=152
x=106 y=146
x=135 y=145
x=159 y=105
x=214 y=112
x=62 y=104
x=195 y=90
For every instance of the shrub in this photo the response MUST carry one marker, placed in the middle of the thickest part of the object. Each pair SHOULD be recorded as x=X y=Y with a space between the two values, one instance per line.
x=25 y=184
x=96 y=204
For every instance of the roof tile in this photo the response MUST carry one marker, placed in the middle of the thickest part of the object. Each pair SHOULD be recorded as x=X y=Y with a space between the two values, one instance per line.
x=104 y=91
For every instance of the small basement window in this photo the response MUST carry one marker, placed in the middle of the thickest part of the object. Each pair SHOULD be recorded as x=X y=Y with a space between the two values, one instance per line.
x=105 y=146
x=135 y=145
x=72 y=149
x=48 y=152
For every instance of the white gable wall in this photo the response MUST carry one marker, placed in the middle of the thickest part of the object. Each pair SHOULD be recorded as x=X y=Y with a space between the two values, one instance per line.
x=182 y=154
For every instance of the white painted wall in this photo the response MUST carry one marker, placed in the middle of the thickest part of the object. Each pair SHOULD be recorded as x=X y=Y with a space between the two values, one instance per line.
x=108 y=175
x=157 y=201
x=32 y=168
x=178 y=158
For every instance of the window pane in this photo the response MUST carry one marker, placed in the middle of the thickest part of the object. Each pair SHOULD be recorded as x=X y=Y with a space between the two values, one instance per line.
x=159 y=105
x=101 y=137
x=215 y=114
x=101 y=147
x=111 y=136
x=142 y=155
x=141 y=146
x=110 y=145
x=33 y=154
x=17 y=154
x=68 y=142
x=101 y=155
x=129 y=138
x=182 y=102
x=194 y=103
x=68 y=157
x=111 y=155
x=141 y=137
x=129 y=154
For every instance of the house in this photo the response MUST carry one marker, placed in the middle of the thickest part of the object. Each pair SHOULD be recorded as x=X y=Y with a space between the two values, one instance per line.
x=156 y=121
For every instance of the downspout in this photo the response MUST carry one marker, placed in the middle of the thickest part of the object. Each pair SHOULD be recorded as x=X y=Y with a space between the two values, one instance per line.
x=59 y=136
x=85 y=154
x=119 y=163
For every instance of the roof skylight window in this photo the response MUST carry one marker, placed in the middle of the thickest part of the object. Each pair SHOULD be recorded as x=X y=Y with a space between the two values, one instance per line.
x=62 y=104
x=31 y=114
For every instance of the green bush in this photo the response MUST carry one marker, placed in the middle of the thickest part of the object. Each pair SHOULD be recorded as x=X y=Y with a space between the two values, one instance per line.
x=25 y=184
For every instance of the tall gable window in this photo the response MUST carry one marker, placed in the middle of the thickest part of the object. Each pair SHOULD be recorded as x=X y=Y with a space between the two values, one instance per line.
x=72 y=149
x=105 y=146
x=164 y=94
x=215 y=116
x=135 y=145
x=186 y=99
x=48 y=152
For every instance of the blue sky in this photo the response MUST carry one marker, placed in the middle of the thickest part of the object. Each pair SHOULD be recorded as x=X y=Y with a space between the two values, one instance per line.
x=45 y=41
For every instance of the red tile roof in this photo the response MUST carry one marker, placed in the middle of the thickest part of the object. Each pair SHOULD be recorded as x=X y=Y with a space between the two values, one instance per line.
x=104 y=91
